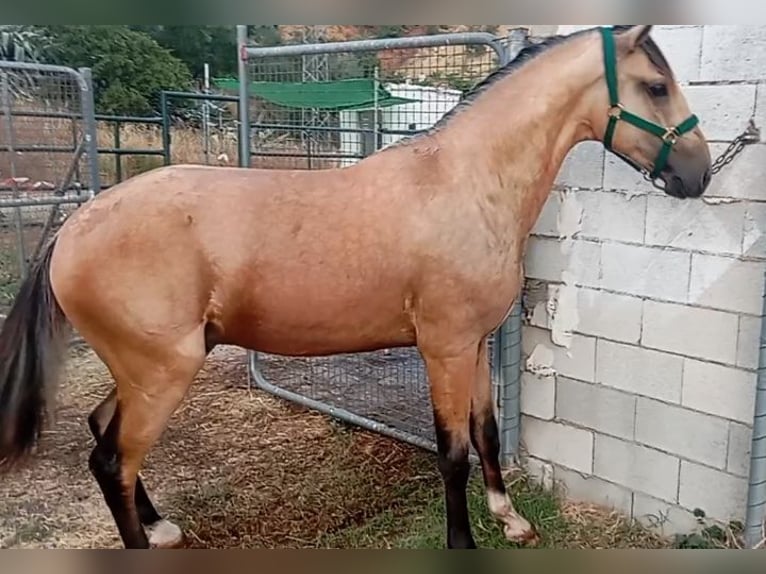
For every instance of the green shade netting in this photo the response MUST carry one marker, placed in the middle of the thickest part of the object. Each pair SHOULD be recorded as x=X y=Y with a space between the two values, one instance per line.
x=354 y=94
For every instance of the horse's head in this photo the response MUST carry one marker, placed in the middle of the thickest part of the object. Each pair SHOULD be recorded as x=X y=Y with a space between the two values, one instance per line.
x=642 y=114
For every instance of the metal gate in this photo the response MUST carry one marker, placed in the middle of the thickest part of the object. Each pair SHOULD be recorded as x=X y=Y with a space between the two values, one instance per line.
x=48 y=160
x=329 y=104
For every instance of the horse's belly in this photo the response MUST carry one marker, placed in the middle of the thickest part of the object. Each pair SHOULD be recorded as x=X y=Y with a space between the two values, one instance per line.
x=319 y=324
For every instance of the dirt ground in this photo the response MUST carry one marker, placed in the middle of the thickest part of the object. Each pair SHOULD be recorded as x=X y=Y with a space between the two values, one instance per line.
x=236 y=468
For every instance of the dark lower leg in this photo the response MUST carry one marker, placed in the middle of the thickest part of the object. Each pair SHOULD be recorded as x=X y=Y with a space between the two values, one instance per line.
x=486 y=440
x=484 y=434
x=455 y=469
x=98 y=421
x=107 y=468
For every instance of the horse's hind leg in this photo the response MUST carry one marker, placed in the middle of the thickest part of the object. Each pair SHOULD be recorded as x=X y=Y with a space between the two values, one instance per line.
x=148 y=392
x=485 y=439
x=162 y=532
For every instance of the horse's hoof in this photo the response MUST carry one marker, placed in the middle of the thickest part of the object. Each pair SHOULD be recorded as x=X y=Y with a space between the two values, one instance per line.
x=529 y=537
x=164 y=534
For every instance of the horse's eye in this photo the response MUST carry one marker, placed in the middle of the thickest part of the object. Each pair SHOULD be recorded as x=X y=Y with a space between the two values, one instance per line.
x=658 y=90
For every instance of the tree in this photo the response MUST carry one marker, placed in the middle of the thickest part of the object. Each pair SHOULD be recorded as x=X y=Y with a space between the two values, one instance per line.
x=198 y=45
x=129 y=67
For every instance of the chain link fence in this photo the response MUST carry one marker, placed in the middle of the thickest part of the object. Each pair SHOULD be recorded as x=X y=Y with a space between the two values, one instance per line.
x=48 y=160
x=329 y=105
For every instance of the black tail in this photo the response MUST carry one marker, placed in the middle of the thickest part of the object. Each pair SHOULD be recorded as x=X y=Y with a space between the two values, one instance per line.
x=32 y=341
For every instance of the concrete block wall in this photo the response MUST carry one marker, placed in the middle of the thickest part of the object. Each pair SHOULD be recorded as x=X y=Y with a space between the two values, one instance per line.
x=642 y=312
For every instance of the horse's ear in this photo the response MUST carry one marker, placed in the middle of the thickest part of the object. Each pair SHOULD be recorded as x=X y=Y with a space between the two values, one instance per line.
x=634 y=36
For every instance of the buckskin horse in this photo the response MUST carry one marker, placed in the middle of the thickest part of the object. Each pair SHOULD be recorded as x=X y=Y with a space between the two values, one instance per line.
x=420 y=244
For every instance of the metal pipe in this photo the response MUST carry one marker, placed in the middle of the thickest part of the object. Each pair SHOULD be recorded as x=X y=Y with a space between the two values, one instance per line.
x=32 y=202
x=427 y=41
x=197 y=96
x=244 y=97
x=755 y=516
x=10 y=136
x=91 y=135
x=165 y=127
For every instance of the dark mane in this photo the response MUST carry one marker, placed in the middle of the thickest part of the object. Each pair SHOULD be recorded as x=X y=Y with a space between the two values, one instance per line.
x=530 y=52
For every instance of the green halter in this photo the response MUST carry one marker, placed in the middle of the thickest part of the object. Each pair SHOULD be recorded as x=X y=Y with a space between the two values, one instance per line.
x=669 y=136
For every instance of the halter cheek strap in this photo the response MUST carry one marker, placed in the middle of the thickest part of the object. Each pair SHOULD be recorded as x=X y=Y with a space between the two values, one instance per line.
x=669 y=136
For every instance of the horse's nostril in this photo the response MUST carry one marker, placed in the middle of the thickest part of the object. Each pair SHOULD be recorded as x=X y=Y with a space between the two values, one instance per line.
x=706 y=178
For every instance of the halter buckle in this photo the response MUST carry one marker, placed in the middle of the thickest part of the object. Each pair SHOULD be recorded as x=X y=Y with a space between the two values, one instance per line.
x=670 y=136
x=615 y=111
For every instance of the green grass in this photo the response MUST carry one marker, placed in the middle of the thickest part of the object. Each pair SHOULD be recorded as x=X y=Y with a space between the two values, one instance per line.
x=422 y=526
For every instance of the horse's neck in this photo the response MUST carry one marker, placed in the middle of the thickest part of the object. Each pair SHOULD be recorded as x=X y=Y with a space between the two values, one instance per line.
x=518 y=134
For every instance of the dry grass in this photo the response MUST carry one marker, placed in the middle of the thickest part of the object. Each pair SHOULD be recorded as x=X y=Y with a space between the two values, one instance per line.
x=237 y=468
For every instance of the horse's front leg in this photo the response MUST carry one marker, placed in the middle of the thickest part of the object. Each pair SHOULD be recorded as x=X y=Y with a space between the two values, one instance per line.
x=451 y=373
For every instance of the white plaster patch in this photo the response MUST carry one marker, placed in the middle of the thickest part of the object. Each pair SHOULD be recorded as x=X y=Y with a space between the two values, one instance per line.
x=720 y=200
x=569 y=220
x=565 y=316
x=540 y=361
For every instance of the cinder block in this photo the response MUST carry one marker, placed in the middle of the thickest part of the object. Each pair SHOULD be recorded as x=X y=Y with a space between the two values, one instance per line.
x=613 y=215
x=595 y=406
x=722 y=391
x=662 y=517
x=744 y=176
x=645 y=271
x=538 y=395
x=636 y=467
x=609 y=315
x=679 y=431
x=618 y=175
x=723 y=110
x=555 y=442
x=738 y=460
x=583 y=166
x=720 y=495
x=577 y=362
x=726 y=283
x=748 y=342
x=681 y=46
x=691 y=331
x=593 y=490
x=695 y=225
x=549 y=259
x=733 y=52
x=754 y=233
x=639 y=371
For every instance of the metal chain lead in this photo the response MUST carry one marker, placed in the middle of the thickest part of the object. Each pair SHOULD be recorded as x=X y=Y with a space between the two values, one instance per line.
x=751 y=135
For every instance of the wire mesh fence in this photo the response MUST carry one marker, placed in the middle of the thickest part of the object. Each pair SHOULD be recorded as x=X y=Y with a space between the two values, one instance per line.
x=326 y=106
x=47 y=164
x=322 y=110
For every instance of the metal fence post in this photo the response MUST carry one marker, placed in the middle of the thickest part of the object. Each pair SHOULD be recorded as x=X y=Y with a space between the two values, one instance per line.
x=244 y=98
x=91 y=136
x=165 y=114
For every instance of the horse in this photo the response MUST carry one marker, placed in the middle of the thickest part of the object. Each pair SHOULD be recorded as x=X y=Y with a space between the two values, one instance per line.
x=420 y=244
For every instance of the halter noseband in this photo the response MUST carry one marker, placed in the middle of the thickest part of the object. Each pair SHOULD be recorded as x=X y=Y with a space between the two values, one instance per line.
x=669 y=136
